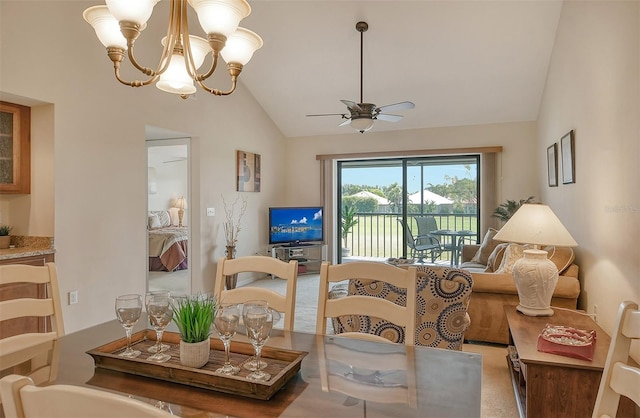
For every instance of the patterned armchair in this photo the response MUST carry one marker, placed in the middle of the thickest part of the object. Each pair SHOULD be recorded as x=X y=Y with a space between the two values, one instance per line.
x=442 y=319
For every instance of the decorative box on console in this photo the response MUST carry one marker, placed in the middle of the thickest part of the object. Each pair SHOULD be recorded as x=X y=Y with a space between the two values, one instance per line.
x=567 y=341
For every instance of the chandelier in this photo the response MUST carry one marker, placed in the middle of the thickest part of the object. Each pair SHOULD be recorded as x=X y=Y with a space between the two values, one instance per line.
x=120 y=22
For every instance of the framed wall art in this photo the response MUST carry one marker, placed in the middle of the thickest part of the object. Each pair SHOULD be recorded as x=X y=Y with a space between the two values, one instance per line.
x=247 y=171
x=552 y=165
x=567 y=148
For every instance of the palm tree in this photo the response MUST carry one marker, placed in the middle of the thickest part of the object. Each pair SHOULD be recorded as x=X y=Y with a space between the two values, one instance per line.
x=349 y=220
x=505 y=211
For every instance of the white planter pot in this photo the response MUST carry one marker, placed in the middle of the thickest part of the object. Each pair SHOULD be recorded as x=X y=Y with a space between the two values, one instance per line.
x=194 y=354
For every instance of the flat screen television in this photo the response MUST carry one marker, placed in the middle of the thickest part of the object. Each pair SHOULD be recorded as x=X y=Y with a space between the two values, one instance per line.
x=295 y=225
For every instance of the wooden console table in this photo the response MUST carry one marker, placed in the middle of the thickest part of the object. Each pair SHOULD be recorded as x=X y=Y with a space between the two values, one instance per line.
x=550 y=385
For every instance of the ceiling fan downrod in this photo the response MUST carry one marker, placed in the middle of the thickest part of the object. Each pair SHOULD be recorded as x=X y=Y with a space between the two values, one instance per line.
x=362 y=28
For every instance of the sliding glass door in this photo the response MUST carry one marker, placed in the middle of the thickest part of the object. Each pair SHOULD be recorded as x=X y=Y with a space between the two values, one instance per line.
x=378 y=199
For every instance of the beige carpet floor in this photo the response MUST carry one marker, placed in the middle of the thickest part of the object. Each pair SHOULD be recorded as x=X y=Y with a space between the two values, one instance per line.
x=497 y=395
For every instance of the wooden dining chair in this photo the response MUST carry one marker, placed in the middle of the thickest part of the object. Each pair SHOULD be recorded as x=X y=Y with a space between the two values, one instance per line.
x=22 y=399
x=279 y=269
x=371 y=306
x=31 y=325
x=619 y=377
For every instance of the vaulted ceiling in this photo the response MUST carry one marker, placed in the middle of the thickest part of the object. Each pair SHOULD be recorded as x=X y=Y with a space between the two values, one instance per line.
x=460 y=62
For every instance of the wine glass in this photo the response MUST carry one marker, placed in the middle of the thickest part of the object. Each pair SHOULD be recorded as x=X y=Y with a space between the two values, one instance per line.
x=128 y=310
x=252 y=364
x=258 y=320
x=163 y=347
x=160 y=314
x=225 y=322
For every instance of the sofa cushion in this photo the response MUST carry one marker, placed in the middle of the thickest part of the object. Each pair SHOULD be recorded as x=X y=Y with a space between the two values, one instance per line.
x=513 y=253
x=486 y=248
x=495 y=259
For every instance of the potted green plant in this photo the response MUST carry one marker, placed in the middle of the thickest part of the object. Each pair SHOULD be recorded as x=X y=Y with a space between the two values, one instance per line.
x=349 y=220
x=193 y=316
x=5 y=239
x=505 y=211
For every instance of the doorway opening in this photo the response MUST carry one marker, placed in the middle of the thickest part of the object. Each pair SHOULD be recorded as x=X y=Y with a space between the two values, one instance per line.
x=168 y=214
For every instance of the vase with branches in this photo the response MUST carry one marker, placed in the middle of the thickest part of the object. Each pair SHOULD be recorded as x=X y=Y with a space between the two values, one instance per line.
x=232 y=229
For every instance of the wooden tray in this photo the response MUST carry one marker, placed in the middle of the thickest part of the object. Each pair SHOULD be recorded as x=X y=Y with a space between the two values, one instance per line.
x=281 y=364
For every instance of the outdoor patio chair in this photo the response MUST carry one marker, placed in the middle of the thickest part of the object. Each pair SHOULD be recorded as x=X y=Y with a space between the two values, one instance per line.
x=422 y=246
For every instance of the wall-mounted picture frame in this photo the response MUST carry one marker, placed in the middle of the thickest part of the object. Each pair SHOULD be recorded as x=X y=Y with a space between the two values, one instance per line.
x=552 y=165
x=247 y=171
x=567 y=149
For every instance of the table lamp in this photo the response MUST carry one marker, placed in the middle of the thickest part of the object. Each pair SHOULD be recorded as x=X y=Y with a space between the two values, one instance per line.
x=534 y=274
x=181 y=204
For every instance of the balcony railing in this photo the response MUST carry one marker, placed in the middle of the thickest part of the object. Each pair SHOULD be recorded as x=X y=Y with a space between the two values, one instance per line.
x=380 y=235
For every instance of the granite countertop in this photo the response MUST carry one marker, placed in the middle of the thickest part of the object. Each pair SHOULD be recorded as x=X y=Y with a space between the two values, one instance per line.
x=26 y=246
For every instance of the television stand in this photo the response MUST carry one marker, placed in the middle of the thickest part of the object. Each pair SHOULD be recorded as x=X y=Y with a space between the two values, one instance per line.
x=309 y=256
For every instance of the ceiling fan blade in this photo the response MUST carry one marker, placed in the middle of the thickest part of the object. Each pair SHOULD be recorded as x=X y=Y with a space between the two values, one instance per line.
x=396 y=106
x=329 y=114
x=389 y=118
x=351 y=105
x=346 y=122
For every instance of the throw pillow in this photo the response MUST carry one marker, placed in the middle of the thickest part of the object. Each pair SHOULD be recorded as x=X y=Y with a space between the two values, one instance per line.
x=495 y=259
x=513 y=253
x=562 y=257
x=486 y=248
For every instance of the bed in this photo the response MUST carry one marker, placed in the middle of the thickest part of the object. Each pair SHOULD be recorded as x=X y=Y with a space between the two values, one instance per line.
x=168 y=244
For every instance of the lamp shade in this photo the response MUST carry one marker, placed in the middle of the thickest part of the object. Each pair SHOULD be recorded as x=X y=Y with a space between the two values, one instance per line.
x=240 y=46
x=362 y=124
x=220 y=16
x=176 y=79
x=106 y=26
x=131 y=11
x=181 y=203
x=535 y=224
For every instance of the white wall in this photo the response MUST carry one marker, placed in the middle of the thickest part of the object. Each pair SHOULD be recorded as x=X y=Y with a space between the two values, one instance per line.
x=96 y=146
x=593 y=86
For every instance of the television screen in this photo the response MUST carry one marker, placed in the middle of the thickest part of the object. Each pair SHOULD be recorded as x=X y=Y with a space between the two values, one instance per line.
x=295 y=225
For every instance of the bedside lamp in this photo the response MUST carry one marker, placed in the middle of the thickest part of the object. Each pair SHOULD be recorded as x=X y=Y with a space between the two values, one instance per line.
x=181 y=204
x=534 y=274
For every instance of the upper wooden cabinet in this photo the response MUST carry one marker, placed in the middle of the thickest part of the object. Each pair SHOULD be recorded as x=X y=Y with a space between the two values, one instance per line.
x=15 y=148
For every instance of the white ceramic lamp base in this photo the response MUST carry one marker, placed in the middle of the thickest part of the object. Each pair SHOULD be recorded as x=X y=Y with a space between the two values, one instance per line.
x=536 y=277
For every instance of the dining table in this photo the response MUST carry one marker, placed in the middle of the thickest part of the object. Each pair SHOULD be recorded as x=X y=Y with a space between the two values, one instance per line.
x=455 y=244
x=338 y=377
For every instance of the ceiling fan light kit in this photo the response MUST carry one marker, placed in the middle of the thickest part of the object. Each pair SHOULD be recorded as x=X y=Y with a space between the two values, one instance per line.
x=363 y=115
x=119 y=23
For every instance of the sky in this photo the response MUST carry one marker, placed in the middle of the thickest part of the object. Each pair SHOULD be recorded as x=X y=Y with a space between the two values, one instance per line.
x=384 y=176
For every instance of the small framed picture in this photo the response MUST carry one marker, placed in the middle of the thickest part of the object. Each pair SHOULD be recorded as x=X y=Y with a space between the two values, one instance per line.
x=567 y=148
x=552 y=165
x=247 y=171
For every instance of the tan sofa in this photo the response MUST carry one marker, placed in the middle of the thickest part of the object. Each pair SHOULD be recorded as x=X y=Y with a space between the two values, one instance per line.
x=493 y=291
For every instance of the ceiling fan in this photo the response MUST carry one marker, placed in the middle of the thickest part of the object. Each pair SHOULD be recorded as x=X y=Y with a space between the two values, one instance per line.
x=362 y=115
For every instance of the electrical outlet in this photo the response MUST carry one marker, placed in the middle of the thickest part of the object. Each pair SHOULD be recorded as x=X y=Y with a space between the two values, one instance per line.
x=73 y=297
x=211 y=211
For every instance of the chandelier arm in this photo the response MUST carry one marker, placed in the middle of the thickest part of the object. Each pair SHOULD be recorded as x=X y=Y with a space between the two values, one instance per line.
x=234 y=72
x=186 y=42
x=135 y=83
x=214 y=65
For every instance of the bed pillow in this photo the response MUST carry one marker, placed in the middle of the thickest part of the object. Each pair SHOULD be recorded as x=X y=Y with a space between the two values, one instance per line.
x=486 y=248
x=163 y=217
x=513 y=253
x=154 y=221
